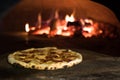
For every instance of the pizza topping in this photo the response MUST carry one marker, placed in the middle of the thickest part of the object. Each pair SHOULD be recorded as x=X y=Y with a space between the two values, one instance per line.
x=42 y=58
x=52 y=55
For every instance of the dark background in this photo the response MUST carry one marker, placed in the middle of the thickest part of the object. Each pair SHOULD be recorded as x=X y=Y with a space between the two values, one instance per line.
x=111 y=4
x=6 y=5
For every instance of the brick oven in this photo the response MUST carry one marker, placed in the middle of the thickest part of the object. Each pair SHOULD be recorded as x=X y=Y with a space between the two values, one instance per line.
x=81 y=25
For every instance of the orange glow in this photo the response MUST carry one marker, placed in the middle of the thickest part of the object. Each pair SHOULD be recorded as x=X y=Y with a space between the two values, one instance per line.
x=32 y=28
x=41 y=31
x=67 y=33
x=59 y=32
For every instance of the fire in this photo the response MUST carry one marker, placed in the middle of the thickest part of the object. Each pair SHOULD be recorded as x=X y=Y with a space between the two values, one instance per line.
x=27 y=29
x=59 y=26
x=69 y=18
x=68 y=26
x=90 y=28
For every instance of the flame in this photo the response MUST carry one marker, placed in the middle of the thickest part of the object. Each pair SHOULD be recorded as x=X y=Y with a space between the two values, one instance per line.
x=39 y=20
x=89 y=21
x=88 y=29
x=69 y=18
x=27 y=29
x=92 y=29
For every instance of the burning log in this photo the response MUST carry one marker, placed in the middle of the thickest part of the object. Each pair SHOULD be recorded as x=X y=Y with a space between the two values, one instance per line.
x=77 y=26
x=52 y=28
x=94 y=28
x=75 y=23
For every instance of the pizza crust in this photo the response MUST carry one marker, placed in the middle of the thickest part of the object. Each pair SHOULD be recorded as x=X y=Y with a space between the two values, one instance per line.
x=48 y=58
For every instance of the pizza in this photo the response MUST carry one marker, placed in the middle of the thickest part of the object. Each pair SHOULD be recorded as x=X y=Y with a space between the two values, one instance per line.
x=47 y=58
